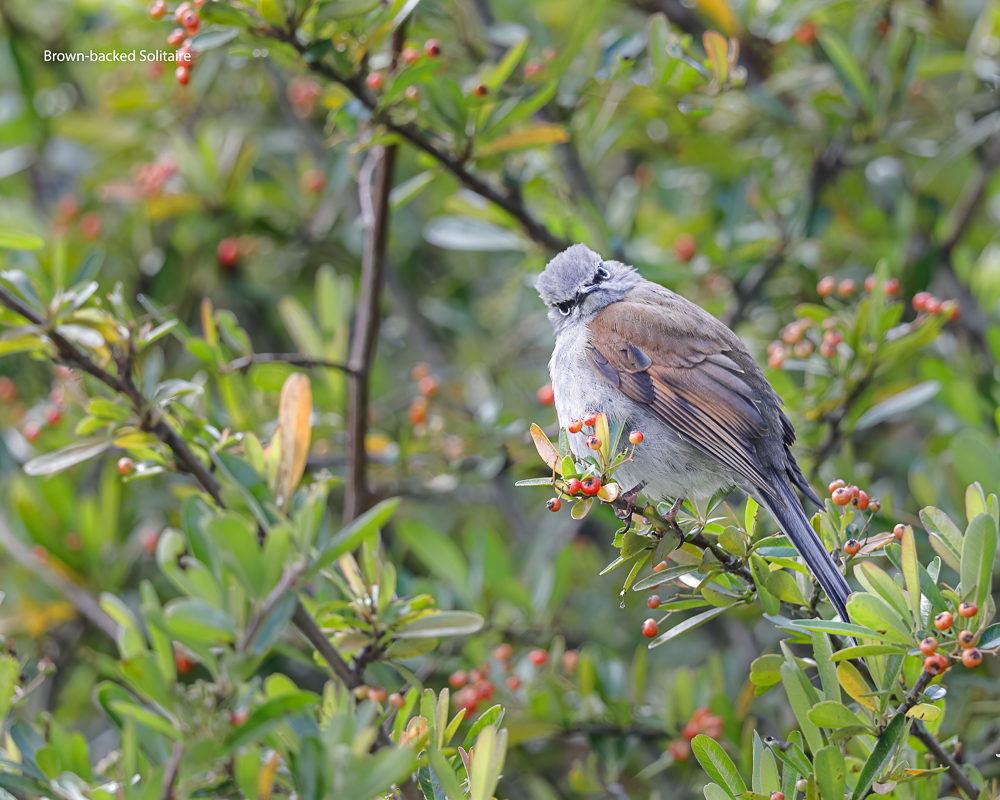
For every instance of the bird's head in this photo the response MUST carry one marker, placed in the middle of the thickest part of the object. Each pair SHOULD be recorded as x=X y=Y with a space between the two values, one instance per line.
x=578 y=283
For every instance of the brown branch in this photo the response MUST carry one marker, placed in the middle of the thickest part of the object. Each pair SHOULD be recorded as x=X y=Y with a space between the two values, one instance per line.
x=81 y=599
x=945 y=759
x=170 y=774
x=509 y=202
x=330 y=654
x=295 y=359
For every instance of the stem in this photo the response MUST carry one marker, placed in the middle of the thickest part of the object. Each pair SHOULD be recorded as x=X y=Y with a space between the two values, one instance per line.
x=170 y=775
x=945 y=759
x=295 y=359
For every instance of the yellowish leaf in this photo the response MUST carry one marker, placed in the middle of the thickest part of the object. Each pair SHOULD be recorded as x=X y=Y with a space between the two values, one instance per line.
x=608 y=492
x=603 y=432
x=167 y=206
x=581 y=509
x=719 y=11
x=717 y=49
x=136 y=439
x=925 y=711
x=546 y=449
x=531 y=137
x=852 y=683
x=294 y=410
x=208 y=322
x=265 y=780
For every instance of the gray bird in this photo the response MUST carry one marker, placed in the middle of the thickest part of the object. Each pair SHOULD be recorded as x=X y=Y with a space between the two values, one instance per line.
x=641 y=354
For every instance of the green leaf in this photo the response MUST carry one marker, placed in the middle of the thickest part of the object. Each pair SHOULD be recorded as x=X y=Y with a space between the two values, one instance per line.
x=783 y=586
x=829 y=714
x=945 y=537
x=911 y=574
x=148 y=718
x=823 y=651
x=990 y=637
x=687 y=625
x=666 y=576
x=9 y=672
x=209 y=40
x=765 y=768
x=851 y=74
x=439 y=553
x=978 y=554
x=879 y=756
x=717 y=764
x=66 y=457
x=351 y=536
x=450 y=783
x=441 y=623
x=189 y=616
x=794 y=680
x=877 y=581
x=224 y=14
x=13 y=239
x=831 y=771
x=492 y=716
x=874 y=613
x=265 y=717
x=925 y=712
x=862 y=650
x=658 y=34
x=842 y=628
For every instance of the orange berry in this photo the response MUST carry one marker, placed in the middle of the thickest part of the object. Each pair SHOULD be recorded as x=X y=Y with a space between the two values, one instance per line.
x=410 y=55
x=803 y=349
x=826 y=286
x=468 y=700
x=968 y=609
x=396 y=700
x=126 y=465
x=842 y=496
x=929 y=646
x=685 y=247
x=513 y=683
x=943 y=621
x=890 y=286
x=972 y=657
x=870 y=283
x=480 y=90
x=313 y=181
x=935 y=664
x=538 y=657
x=852 y=547
x=419 y=371
x=590 y=420
x=90 y=225
x=593 y=442
x=570 y=659
x=966 y=639
x=650 y=628
x=176 y=37
x=899 y=531
x=179 y=12
x=837 y=484
x=158 y=10
x=862 y=500
x=661 y=566
x=806 y=33
x=553 y=504
x=191 y=21
x=575 y=426
x=635 y=437
x=776 y=359
x=546 y=396
x=378 y=694
x=590 y=486
x=777 y=796
x=428 y=386
x=846 y=288
x=418 y=410
x=653 y=601
x=827 y=350
x=933 y=306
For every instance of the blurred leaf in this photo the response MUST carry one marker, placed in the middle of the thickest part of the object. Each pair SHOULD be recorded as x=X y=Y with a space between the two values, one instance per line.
x=189 y=616
x=979 y=551
x=469 y=233
x=266 y=716
x=295 y=428
x=208 y=40
x=66 y=457
x=441 y=623
x=541 y=134
x=839 y=53
x=350 y=537
x=898 y=405
x=687 y=625
x=12 y=239
x=224 y=14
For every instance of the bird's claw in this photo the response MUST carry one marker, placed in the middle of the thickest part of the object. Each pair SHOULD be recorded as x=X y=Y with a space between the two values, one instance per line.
x=671 y=518
x=624 y=504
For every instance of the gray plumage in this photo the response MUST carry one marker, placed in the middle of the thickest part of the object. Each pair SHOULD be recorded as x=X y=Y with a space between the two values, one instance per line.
x=711 y=421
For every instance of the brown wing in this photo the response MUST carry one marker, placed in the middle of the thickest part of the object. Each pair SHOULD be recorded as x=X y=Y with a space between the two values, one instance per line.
x=692 y=372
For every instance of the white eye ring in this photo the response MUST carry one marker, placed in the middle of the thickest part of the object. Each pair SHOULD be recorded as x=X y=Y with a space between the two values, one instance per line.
x=565 y=308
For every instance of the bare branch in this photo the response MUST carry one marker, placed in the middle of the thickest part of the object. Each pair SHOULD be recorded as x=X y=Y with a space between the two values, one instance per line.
x=295 y=359
x=170 y=775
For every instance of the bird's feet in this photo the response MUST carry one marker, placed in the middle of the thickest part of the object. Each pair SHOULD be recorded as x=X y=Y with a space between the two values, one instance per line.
x=624 y=504
x=671 y=518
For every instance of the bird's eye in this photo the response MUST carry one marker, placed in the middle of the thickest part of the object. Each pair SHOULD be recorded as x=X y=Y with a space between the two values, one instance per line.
x=565 y=308
x=602 y=275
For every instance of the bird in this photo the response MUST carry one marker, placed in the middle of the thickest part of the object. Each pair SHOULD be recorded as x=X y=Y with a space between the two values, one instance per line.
x=658 y=363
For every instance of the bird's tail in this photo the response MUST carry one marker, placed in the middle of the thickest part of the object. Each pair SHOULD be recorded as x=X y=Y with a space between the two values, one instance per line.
x=785 y=508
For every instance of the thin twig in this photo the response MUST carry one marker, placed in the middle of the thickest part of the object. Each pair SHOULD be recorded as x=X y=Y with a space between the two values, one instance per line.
x=170 y=775
x=81 y=599
x=295 y=359
x=945 y=759
x=330 y=654
x=289 y=575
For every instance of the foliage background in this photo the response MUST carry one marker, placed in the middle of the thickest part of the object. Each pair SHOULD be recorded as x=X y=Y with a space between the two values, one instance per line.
x=871 y=148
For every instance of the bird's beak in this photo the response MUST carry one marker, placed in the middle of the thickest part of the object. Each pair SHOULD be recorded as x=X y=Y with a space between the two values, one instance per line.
x=592 y=288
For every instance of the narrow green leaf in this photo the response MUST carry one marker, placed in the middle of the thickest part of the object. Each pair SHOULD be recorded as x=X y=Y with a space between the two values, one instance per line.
x=978 y=554
x=884 y=747
x=831 y=771
x=687 y=625
x=793 y=679
x=717 y=763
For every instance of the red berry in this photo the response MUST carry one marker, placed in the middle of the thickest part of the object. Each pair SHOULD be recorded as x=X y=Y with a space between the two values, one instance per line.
x=972 y=657
x=653 y=601
x=513 y=683
x=590 y=486
x=90 y=225
x=480 y=90
x=827 y=350
x=870 y=283
x=966 y=639
x=968 y=609
x=31 y=431
x=545 y=395
x=191 y=21
x=149 y=539
x=375 y=81
x=635 y=437
x=899 y=530
x=378 y=694
x=590 y=420
x=852 y=547
x=396 y=700
x=776 y=359
x=661 y=566
x=53 y=415
x=929 y=646
x=532 y=68
x=842 y=496
x=846 y=288
x=158 y=10
x=180 y=11
x=837 y=484
x=467 y=699
x=685 y=247
x=575 y=426
x=183 y=75
x=933 y=306
x=573 y=486
x=538 y=657
x=826 y=286
x=484 y=690
x=228 y=253
x=427 y=386
x=863 y=501
x=890 y=286
x=313 y=181
x=126 y=465
x=806 y=33
x=409 y=55
x=679 y=750
x=777 y=796
x=181 y=661
x=935 y=664
x=553 y=504
x=432 y=47
x=570 y=659
x=920 y=300
x=238 y=717
x=650 y=628
x=943 y=621
x=458 y=679
x=476 y=675
x=503 y=652
x=8 y=391
x=176 y=37
x=418 y=410
x=593 y=442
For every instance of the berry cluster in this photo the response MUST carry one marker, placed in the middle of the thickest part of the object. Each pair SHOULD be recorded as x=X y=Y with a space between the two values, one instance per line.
x=50 y=413
x=68 y=209
x=926 y=303
x=409 y=56
x=703 y=721
x=187 y=17
x=427 y=386
x=962 y=648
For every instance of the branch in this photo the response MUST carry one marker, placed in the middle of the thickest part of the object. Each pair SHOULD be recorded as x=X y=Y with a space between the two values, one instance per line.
x=295 y=359
x=945 y=759
x=170 y=775
x=330 y=654
x=511 y=203
x=79 y=597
